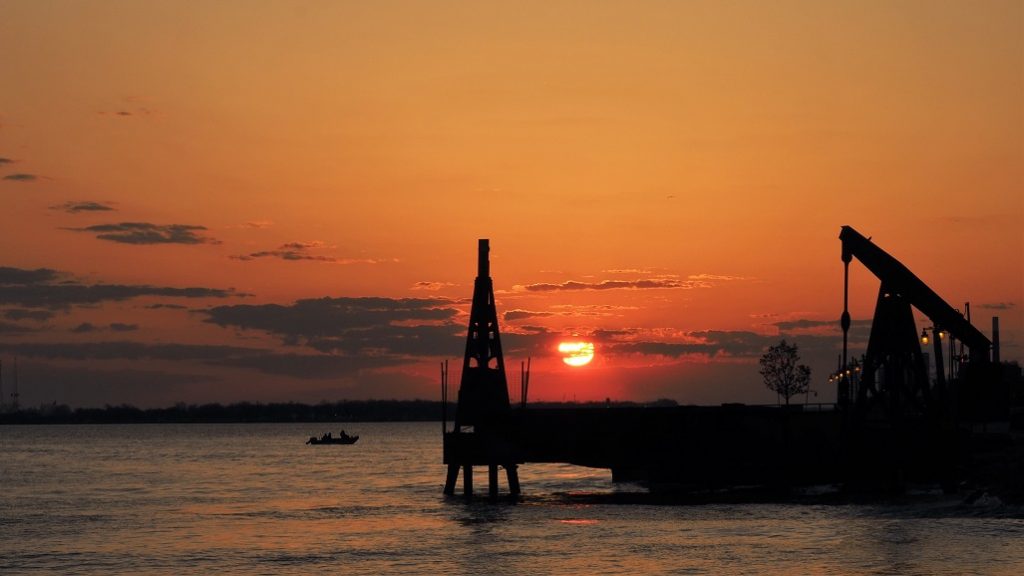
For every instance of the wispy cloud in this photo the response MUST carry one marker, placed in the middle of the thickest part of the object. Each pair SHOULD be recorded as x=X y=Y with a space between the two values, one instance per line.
x=303 y=245
x=519 y=314
x=431 y=286
x=718 y=277
x=290 y=255
x=254 y=224
x=21 y=177
x=147 y=233
x=83 y=206
x=633 y=271
x=5 y=161
x=640 y=284
x=566 y=310
x=300 y=251
x=130 y=107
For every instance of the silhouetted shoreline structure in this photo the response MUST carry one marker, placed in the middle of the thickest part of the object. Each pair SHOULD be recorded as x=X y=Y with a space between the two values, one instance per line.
x=895 y=375
x=15 y=403
x=892 y=428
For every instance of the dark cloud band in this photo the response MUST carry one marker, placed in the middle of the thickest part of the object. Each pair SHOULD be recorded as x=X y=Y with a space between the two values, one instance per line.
x=147 y=233
x=46 y=288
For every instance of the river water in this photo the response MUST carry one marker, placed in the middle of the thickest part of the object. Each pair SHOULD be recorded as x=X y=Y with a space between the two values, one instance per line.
x=253 y=499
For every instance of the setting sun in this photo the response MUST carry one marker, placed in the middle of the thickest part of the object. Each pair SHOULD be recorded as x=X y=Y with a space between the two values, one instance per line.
x=576 y=353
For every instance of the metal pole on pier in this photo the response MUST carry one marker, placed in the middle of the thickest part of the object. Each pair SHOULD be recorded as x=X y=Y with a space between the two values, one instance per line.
x=444 y=397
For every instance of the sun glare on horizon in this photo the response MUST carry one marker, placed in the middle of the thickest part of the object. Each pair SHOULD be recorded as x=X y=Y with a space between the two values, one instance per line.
x=576 y=353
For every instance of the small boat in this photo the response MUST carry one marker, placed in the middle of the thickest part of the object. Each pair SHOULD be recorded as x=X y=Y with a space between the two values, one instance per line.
x=328 y=439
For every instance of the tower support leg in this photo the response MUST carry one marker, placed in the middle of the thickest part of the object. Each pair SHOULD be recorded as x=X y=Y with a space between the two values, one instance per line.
x=512 y=470
x=453 y=476
x=492 y=481
x=467 y=480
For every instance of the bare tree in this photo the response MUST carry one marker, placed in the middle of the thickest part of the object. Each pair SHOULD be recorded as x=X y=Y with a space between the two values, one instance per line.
x=781 y=372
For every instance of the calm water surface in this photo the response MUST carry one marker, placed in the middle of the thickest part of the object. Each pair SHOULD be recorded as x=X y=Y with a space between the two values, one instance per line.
x=253 y=499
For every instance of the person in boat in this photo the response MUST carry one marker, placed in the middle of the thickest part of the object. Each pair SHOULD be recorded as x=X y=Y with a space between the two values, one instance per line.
x=343 y=435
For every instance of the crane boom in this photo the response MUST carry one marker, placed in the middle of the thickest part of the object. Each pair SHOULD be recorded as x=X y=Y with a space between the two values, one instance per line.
x=898 y=277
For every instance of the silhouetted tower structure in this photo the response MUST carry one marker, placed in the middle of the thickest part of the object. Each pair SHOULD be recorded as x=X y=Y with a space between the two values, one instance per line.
x=481 y=428
x=895 y=373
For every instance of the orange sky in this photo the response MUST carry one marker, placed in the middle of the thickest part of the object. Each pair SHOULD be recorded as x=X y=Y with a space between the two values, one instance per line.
x=350 y=150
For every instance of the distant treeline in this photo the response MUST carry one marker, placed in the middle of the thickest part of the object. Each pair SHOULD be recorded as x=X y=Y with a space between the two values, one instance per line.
x=342 y=411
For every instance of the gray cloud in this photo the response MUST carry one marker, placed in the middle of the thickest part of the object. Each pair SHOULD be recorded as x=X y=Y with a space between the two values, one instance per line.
x=352 y=325
x=147 y=233
x=87 y=386
x=422 y=340
x=804 y=324
x=84 y=328
x=60 y=296
x=21 y=177
x=83 y=206
x=736 y=343
x=23 y=314
x=21 y=276
x=10 y=328
x=5 y=161
x=641 y=284
x=40 y=288
x=310 y=366
x=124 y=350
x=330 y=316
x=302 y=366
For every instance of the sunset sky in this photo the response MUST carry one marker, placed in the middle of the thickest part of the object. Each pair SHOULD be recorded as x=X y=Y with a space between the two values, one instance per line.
x=269 y=201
